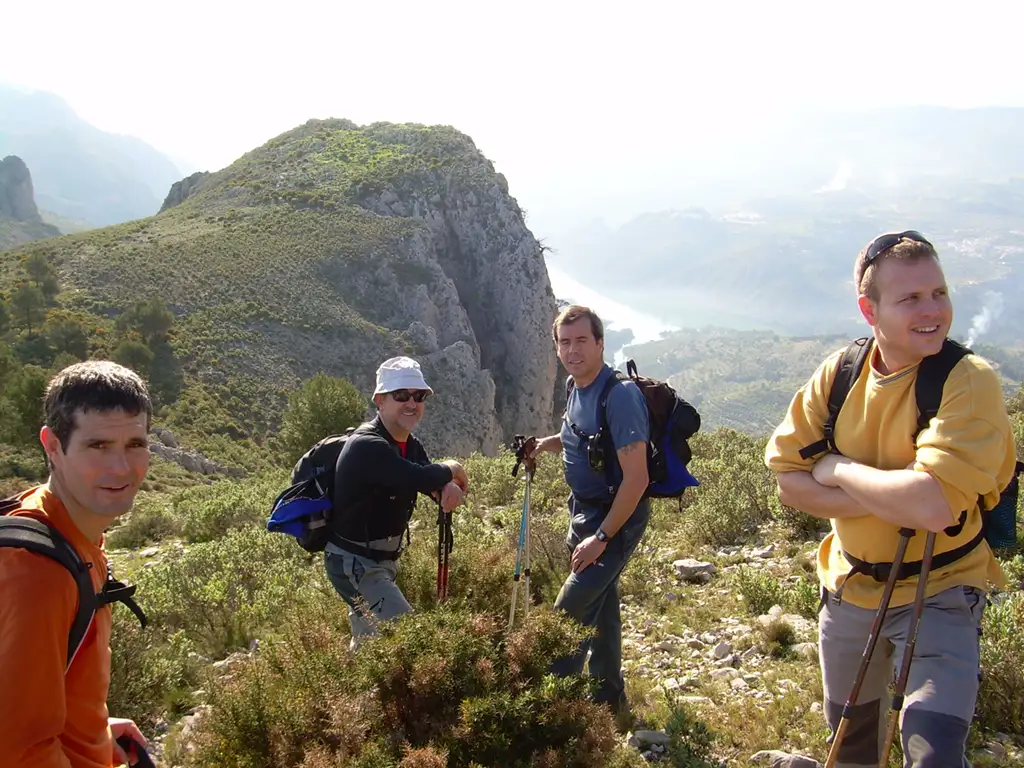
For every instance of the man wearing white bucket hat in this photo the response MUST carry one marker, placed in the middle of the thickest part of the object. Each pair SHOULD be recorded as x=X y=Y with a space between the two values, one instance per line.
x=380 y=471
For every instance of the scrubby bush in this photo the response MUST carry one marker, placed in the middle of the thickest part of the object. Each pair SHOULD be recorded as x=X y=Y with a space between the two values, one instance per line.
x=150 y=673
x=209 y=512
x=1001 y=699
x=690 y=740
x=760 y=591
x=446 y=687
x=150 y=521
x=738 y=493
x=225 y=592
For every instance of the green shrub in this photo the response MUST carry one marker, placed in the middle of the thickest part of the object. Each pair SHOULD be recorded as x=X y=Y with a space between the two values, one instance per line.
x=225 y=592
x=803 y=597
x=778 y=636
x=482 y=561
x=760 y=591
x=323 y=406
x=445 y=687
x=150 y=672
x=1001 y=698
x=1013 y=567
x=690 y=740
x=149 y=521
x=24 y=462
x=718 y=518
x=209 y=512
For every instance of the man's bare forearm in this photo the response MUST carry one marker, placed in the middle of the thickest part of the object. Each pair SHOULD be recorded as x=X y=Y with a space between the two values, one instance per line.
x=798 y=489
x=903 y=497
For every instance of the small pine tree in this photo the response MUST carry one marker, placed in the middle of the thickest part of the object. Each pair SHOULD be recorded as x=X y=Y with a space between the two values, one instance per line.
x=323 y=406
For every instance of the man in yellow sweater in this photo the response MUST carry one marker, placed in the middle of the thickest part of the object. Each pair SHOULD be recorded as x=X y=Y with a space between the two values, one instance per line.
x=879 y=480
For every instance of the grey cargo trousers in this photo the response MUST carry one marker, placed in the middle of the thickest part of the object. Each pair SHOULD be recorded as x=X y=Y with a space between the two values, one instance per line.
x=942 y=689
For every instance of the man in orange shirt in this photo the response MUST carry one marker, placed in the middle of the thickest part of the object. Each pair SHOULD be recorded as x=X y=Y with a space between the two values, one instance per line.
x=53 y=711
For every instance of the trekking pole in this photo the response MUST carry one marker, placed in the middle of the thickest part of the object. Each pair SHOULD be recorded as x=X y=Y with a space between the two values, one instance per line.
x=869 y=649
x=526 y=546
x=445 y=541
x=440 y=544
x=908 y=651
x=522 y=446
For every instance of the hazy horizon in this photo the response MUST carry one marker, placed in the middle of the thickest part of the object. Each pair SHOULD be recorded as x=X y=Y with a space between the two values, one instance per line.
x=587 y=112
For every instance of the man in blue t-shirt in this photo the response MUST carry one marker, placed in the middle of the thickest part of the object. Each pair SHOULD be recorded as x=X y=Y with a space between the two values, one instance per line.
x=606 y=522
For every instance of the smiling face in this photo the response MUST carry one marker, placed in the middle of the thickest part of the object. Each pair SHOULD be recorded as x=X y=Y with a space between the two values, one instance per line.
x=580 y=352
x=101 y=466
x=912 y=313
x=400 y=418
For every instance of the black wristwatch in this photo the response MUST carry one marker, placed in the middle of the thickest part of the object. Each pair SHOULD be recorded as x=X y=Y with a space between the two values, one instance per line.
x=601 y=535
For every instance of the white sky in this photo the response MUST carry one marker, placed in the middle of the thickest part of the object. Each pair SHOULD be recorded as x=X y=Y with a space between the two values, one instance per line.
x=540 y=86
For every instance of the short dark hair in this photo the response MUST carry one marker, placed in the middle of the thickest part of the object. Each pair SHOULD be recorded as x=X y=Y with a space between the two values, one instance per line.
x=576 y=312
x=95 y=385
x=865 y=271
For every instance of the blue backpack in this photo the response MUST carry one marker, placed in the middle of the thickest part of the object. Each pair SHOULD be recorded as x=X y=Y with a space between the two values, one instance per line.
x=673 y=421
x=304 y=509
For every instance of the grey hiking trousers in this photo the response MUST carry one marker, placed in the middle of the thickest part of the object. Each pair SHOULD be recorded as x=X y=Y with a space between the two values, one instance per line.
x=942 y=689
x=368 y=587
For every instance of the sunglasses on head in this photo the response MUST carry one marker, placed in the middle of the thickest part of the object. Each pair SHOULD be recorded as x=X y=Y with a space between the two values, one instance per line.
x=883 y=243
x=404 y=395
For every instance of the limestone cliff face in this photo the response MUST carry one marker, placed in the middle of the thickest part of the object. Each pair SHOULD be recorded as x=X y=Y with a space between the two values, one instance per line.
x=182 y=190
x=17 y=200
x=19 y=217
x=495 y=298
x=358 y=244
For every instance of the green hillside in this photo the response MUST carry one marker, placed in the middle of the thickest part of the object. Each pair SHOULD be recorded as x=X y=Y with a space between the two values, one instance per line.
x=274 y=269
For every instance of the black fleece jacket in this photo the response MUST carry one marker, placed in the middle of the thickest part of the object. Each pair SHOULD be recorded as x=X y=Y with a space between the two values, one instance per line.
x=375 y=488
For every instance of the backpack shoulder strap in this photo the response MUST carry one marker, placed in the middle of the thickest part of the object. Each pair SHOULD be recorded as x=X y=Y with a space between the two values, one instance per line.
x=847 y=372
x=606 y=392
x=931 y=378
x=36 y=536
x=611 y=459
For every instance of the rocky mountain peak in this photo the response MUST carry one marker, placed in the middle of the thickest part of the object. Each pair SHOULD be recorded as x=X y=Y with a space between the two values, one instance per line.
x=17 y=199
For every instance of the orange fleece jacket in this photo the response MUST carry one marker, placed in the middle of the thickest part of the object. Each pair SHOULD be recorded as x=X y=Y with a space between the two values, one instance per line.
x=49 y=719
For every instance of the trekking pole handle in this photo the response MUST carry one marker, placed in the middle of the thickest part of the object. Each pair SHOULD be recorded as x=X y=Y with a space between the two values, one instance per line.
x=523 y=446
x=143 y=760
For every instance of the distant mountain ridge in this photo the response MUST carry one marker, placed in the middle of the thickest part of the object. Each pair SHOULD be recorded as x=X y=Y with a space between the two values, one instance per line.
x=79 y=171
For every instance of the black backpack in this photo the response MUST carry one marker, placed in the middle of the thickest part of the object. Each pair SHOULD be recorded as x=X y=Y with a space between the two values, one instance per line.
x=999 y=524
x=43 y=539
x=673 y=421
x=305 y=508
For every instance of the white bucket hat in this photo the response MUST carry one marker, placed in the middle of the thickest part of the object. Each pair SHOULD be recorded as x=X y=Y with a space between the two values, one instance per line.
x=400 y=373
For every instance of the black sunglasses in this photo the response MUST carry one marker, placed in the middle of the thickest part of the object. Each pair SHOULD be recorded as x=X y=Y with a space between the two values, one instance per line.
x=883 y=243
x=404 y=395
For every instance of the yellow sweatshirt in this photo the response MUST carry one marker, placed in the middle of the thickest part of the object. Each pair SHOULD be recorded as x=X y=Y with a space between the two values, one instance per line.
x=968 y=448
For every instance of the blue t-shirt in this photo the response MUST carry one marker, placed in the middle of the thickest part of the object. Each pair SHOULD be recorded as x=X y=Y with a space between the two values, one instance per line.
x=627 y=421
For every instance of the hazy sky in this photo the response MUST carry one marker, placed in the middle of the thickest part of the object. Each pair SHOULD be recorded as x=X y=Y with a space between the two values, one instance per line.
x=542 y=87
